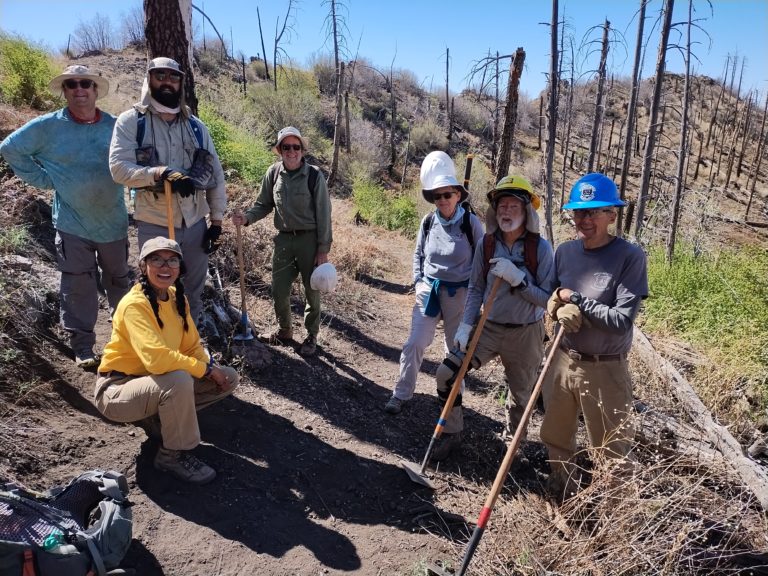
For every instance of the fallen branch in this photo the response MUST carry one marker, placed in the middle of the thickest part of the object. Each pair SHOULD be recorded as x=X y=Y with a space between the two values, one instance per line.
x=751 y=473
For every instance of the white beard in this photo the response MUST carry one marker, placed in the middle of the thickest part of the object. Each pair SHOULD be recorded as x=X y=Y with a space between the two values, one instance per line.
x=507 y=226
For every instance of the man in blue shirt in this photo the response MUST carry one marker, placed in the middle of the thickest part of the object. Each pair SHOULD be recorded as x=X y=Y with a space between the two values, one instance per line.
x=67 y=151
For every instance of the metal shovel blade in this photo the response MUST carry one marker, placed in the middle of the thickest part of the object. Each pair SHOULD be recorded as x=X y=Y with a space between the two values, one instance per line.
x=414 y=473
x=244 y=337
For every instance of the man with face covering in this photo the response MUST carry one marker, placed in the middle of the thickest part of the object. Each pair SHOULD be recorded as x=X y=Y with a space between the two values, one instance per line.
x=514 y=330
x=158 y=139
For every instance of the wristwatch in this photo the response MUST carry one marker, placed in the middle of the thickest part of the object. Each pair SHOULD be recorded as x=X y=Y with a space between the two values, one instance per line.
x=576 y=298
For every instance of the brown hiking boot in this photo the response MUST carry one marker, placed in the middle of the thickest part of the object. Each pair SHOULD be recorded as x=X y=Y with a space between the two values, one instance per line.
x=280 y=337
x=183 y=465
x=309 y=346
x=445 y=446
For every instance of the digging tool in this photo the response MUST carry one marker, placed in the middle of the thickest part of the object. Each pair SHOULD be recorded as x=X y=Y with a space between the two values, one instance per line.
x=468 y=170
x=247 y=333
x=498 y=484
x=416 y=472
x=169 y=209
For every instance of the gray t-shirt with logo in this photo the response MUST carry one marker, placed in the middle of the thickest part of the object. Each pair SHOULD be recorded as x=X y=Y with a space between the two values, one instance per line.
x=613 y=280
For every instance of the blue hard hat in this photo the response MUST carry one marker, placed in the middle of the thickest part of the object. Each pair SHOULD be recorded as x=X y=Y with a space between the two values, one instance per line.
x=593 y=190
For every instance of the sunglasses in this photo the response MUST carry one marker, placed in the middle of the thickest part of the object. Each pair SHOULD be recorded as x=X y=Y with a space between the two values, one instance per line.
x=161 y=76
x=84 y=84
x=159 y=262
x=288 y=147
x=443 y=196
x=592 y=213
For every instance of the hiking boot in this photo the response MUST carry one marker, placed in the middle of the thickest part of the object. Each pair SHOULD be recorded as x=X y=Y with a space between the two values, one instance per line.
x=151 y=427
x=394 y=406
x=309 y=346
x=282 y=336
x=86 y=359
x=183 y=465
x=445 y=446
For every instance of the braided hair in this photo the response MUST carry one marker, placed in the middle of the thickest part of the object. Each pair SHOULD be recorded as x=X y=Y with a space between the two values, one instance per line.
x=149 y=292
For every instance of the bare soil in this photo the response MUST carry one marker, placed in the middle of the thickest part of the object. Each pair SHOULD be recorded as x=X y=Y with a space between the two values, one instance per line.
x=309 y=477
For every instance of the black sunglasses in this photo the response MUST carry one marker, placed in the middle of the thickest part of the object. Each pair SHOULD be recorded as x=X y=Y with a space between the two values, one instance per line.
x=84 y=84
x=287 y=147
x=172 y=76
x=443 y=196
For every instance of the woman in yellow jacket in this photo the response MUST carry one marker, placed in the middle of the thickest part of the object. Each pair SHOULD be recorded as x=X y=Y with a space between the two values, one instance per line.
x=155 y=371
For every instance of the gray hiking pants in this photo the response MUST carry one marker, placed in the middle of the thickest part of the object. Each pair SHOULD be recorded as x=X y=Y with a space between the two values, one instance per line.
x=79 y=262
x=195 y=259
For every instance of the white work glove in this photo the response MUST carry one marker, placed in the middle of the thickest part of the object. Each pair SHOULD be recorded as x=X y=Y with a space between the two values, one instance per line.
x=504 y=268
x=461 y=337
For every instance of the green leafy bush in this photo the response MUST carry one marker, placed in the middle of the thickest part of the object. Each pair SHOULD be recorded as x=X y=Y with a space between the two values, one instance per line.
x=719 y=302
x=25 y=71
x=380 y=208
x=240 y=153
x=427 y=136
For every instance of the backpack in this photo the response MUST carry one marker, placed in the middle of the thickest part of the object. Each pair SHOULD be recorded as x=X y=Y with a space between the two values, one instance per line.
x=314 y=171
x=466 y=225
x=194 y=124
x=50 y=534
x=530 y=252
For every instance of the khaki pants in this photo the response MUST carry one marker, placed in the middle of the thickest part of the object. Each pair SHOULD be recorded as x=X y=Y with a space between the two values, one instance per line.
x=602 y=391
x=174 y=397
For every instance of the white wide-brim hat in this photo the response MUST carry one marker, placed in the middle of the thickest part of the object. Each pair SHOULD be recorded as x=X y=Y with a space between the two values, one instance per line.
x=78 y=71
x=290 y=131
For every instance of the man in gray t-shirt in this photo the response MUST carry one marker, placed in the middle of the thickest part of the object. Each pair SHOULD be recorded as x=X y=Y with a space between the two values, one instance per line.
x=602 y=280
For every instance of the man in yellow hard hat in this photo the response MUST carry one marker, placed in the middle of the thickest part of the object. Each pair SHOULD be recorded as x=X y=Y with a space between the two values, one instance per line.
x=514 y=330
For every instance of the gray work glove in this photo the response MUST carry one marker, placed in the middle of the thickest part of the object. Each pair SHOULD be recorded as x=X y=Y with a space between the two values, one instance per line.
x=461 y=338
x=201 y=171
x=504 y=268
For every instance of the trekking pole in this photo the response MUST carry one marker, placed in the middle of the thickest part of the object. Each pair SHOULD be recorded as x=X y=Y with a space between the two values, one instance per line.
x=414 y=471
x=468 y=170
x=169 y=209
x=498 y=484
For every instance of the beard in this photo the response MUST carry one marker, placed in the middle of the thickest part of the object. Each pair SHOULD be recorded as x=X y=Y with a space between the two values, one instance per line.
x=166 y=96
x=508 y=225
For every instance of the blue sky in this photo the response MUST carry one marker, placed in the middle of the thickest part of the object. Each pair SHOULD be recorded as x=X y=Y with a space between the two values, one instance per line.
x=416 y=33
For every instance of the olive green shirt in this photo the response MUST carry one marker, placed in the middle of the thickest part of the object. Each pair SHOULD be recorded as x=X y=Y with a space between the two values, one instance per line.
x=296 y=207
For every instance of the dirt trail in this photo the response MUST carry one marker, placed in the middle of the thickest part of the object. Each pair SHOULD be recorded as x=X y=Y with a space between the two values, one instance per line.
x=308 y=462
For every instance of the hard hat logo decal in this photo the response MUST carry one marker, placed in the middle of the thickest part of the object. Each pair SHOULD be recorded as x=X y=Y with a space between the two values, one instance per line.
x=587 y=192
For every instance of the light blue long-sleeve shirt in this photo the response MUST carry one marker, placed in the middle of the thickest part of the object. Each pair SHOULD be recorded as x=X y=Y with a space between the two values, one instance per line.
x=55 y=152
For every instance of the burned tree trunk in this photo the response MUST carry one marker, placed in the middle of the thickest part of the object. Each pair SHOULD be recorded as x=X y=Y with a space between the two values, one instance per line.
x=597 y=120
x=510 y=114
x=757 y=160
x=682 y=152
x=631 y=111
x=650 y=144
x=263 y=50
x=554 y=81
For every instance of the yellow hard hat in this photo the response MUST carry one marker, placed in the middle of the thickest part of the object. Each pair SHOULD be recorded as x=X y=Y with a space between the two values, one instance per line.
x=514 y=186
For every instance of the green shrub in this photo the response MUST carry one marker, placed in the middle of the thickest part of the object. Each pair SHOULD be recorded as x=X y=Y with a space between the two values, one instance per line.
x=719 y=302
x=381 y=209
x=13 y=239
x=24 y=73
x=240 y=153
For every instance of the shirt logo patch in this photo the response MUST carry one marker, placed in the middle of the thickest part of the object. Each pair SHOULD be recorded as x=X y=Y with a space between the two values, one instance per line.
x=587 y=192
x=601 y=281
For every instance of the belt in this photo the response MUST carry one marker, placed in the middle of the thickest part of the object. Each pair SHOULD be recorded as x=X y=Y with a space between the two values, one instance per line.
x=509 y=325
x=581 y=357
x=295 y=232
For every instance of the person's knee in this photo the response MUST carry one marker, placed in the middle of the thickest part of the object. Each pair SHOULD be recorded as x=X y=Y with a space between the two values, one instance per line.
x=177 y=383
x=446 y=376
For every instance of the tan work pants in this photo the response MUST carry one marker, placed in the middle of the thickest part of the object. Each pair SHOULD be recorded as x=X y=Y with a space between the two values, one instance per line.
x=174 y=397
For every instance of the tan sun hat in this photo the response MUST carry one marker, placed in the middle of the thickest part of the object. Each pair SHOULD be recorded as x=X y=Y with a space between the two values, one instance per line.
x=78 y=71
x=290 y=131
x=159 y=243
